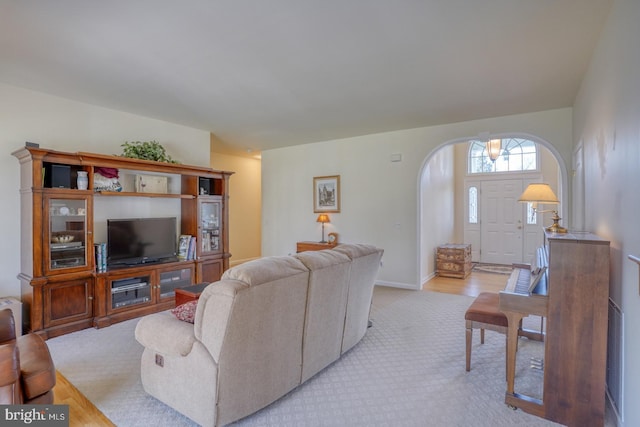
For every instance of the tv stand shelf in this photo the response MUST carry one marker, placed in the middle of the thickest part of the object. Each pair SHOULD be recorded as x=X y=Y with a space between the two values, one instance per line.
x=62 y=290
x=133 y=194
x=140 y=290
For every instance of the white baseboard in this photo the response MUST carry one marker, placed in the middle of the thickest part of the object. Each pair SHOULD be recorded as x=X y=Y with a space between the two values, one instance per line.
x=399 y=285
x=429 y=277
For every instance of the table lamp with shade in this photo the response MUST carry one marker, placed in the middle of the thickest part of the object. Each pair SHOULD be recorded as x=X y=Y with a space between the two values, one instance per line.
x=323 y=218
x=543 y=194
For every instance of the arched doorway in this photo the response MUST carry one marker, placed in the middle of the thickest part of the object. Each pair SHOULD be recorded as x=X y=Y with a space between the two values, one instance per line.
x=444 y=188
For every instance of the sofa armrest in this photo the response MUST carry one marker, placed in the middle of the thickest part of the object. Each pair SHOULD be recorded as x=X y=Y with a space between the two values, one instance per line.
x=9 y=364
x=7 y=326
x=165 y=334
x=37 y=371
x=9 y=375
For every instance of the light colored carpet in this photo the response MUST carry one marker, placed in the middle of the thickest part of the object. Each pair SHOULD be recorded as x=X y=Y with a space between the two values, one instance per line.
x=407 y=371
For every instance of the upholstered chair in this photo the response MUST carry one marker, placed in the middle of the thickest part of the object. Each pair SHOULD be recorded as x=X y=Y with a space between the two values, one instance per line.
x=27 y=373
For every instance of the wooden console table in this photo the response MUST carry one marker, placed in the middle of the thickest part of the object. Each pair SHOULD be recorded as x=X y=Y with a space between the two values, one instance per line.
x=313 y=246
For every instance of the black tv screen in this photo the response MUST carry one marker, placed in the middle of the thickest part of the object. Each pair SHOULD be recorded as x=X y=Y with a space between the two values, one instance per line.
x=141 y=240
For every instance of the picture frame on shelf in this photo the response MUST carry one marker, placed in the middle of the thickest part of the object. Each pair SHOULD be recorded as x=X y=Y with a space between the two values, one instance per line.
x=326 y=194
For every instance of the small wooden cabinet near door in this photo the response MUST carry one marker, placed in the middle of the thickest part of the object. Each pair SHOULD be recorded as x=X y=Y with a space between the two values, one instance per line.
x=453 y=260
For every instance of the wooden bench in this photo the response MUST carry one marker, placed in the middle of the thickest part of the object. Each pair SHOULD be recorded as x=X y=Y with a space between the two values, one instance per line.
x=484 y=313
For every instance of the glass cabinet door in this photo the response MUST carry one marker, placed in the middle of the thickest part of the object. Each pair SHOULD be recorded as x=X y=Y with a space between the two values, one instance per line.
x=67 y=233
x=173 y=279
x=210 y=226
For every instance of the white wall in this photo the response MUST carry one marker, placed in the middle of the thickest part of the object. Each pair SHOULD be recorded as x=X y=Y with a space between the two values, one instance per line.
x=607 y=126
x=66 y=125
x=437 y=215
x=379 y=197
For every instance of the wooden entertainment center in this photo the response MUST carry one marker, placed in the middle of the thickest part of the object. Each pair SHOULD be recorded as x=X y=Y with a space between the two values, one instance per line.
x=63 y=290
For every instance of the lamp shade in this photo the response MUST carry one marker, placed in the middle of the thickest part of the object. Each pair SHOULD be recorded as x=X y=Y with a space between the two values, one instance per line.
x=323 y=218
x=494 y=148
x=540 y=193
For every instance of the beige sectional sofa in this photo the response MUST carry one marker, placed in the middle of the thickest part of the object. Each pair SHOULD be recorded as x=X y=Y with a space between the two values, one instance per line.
x=266 y=327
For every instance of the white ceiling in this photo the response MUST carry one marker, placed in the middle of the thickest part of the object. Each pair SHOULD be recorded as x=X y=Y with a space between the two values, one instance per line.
x=262 y=74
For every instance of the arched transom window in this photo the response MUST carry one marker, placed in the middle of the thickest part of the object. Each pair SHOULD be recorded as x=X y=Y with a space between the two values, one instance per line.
x=517 y=154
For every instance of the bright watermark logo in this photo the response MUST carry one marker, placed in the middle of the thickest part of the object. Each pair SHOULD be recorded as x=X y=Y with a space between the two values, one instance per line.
x=34 y=415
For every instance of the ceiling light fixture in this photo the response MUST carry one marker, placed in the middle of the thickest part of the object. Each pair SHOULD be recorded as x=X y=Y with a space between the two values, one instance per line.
x=494 y=148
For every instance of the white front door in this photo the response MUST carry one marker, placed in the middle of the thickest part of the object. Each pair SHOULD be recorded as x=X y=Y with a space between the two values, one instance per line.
x=502 y=221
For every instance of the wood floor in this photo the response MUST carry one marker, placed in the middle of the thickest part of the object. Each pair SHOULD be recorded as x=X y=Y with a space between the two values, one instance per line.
x=475 y=283
x=83 y=413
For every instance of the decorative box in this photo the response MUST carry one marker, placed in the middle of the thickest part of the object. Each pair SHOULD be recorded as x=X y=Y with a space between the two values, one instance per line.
x=453 y=260
x=151 y=184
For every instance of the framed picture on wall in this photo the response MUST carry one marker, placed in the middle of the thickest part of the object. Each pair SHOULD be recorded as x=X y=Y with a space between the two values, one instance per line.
x=326 y=193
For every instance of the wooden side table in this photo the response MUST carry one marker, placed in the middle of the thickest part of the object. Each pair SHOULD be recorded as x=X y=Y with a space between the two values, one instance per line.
x=313 y=246
x=189 y=293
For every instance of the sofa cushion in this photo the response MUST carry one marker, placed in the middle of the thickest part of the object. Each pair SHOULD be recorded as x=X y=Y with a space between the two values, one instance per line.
x=357 y=250
x=185 y=312
x=260 y=353
x=326 y=308
x=364 y=269
x=265 y=270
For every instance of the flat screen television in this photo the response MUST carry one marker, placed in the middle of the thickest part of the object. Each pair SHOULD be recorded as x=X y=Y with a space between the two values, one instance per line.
x=141 y=240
